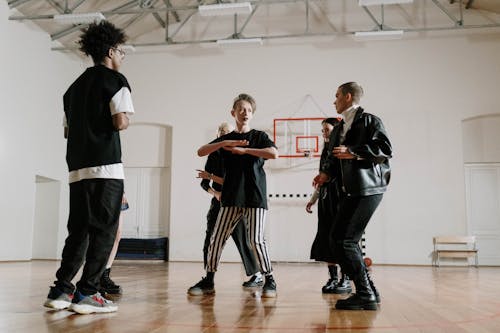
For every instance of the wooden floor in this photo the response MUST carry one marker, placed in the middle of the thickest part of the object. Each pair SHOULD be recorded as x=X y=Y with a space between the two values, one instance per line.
x=414 y=299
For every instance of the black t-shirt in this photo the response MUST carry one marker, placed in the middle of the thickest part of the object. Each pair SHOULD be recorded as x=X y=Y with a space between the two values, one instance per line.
x=92 y=138
x=245 y=178
x=215 y=166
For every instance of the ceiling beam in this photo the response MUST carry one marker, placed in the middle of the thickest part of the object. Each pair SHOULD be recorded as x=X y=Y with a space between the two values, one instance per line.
x=68 y=31
x=77 y=4
x=56 y=6
x=15 y=3
x=447 y=12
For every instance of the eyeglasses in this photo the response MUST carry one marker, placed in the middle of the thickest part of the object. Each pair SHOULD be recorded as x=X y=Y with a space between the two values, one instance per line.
x=120 y=51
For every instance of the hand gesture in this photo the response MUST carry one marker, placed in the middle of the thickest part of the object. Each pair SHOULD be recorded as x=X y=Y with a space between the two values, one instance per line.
x=235 y=143
x=343 y=153
x=308 y=207
x=204 y=174
x=236 y=150
x=319 y=180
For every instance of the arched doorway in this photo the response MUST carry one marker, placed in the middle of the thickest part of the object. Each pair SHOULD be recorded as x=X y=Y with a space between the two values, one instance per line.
x=481 y=145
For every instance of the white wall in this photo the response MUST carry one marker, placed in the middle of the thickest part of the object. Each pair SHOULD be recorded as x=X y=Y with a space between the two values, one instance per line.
x=32 y=82
x=422 y=87
x=481 y=137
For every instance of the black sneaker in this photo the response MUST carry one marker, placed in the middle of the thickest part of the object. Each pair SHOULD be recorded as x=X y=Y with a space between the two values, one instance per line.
x=329 y=287
x=269 y=289
x=204 y=287
x=357 y=302
x=255 y=281
x=343 y=287
x=108 y=286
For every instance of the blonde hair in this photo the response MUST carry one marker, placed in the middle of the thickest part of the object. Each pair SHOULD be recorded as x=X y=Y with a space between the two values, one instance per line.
x=224 y=127
x=247 y=98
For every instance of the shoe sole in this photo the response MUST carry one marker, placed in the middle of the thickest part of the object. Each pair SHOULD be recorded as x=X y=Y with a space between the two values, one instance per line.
x=327 y=292
x=198 y=292
x=366 y=306
x=57 y=305
x=269 y=294
x=341 y=292
x=88 y=309
x=370 y=307
x=253 y=285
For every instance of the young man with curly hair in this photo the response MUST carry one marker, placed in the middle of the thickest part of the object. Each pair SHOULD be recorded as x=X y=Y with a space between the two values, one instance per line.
x=95 y=110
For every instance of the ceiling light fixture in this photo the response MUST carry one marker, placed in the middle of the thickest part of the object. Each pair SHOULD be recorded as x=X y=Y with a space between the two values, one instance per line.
x=225 y=9
x=240 y=41
x=378 y=35
x=83 y=18
x=382 y=2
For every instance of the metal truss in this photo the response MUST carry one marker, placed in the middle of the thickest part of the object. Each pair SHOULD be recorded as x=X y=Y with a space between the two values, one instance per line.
x=309 y=17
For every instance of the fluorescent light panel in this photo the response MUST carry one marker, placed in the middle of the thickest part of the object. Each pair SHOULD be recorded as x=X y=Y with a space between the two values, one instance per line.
x=79 y=18
x=382 y=2
x=378 y=35
x=240 y=41
x=225 y=9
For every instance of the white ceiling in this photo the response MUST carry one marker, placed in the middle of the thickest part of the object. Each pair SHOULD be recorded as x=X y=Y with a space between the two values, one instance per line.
x=146 y=22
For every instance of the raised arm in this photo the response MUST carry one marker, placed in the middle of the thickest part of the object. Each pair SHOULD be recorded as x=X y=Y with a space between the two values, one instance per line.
x=269 y=153
x=211 y=147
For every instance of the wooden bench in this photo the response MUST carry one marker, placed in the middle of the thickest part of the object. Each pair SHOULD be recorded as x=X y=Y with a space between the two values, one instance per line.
x=455 y=247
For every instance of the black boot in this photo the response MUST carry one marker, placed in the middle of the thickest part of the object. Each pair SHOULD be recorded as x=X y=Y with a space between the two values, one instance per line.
x=344 y=286
x=372 y=285
x=363 y=299
x=107 y=285
x=332 y=281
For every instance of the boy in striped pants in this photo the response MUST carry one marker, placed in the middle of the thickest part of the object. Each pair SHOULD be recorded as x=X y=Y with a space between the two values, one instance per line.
x=243 y=193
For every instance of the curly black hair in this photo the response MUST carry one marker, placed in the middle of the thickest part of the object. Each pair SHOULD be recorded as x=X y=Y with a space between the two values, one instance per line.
x=98 y=38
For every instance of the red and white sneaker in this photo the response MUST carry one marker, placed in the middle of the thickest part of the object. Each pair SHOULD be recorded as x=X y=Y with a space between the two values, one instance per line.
x=92 y=304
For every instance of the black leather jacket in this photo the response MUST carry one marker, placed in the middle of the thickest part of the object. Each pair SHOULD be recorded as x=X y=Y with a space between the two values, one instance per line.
x=370 y=172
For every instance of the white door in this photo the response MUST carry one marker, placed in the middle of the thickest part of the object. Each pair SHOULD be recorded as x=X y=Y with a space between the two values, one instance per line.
x=482 y=185
x=147 y=158
x=147 y=191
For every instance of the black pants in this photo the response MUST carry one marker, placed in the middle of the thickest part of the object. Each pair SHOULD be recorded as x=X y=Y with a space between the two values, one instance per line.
x=239 y=236
x=94 y=209
x=351 y=219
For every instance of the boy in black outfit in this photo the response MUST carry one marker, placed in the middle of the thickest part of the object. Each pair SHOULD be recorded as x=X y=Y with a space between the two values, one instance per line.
x=95 y=109
x=244 y=152
x=214 y=172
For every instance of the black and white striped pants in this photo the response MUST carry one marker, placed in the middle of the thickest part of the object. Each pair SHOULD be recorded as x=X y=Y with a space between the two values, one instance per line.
x=226 y=222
